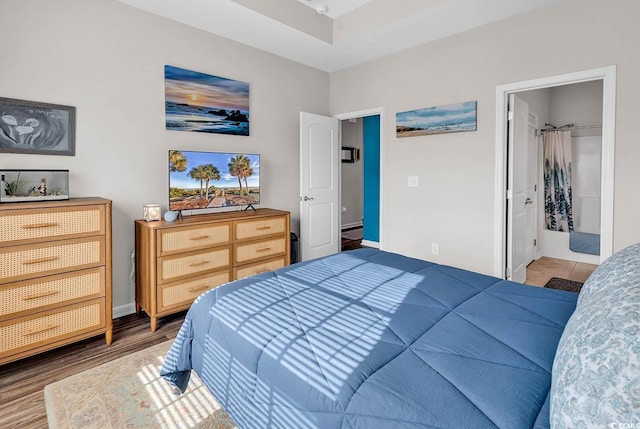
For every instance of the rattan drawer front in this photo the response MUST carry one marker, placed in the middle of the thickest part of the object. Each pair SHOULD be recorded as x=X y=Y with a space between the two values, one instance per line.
x=35 y=225
x=29 y=295
x=184 y=239
x=183 y=294
x=260 y=228
x=21 y=262
x=261 y=267
x=259 y=250
x=26 y=332
x=172 y=268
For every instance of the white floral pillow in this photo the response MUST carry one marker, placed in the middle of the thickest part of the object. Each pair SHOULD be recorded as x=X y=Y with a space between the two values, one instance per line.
x=596 y=371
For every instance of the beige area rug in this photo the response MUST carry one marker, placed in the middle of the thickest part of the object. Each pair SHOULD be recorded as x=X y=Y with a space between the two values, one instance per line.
x=129 y=393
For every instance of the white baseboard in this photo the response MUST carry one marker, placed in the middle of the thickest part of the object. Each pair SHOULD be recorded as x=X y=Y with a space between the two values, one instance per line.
x=124 y=310
x=368 y=243
x=351 y=225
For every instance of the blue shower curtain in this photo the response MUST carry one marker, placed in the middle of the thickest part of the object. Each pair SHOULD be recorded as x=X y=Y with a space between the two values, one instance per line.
x=557 y=180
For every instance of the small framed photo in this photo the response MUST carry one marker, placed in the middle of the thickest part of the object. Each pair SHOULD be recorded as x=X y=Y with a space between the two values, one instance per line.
x=350 y=154
x=37 y=128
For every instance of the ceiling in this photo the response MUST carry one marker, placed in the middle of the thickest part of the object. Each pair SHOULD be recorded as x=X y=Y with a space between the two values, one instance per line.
x=350 y=33
x=336 y=8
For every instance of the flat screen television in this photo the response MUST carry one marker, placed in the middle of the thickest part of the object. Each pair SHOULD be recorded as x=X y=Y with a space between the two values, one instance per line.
x=210 y=180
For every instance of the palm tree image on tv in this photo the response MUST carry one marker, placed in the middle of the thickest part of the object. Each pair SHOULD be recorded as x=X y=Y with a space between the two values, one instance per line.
x=199 y=180
x=240 y=167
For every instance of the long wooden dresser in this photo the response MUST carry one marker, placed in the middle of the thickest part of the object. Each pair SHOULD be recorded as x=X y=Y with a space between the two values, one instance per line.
x=55 y=274
x=177 y=261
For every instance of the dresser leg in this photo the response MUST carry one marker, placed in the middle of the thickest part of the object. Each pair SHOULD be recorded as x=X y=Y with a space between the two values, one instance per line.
x=108 y=336
x=154 y=324
x=137 y=307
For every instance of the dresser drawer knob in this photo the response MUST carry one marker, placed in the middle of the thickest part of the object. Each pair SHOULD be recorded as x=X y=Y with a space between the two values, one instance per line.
x=263 y=249
x=40 y=225
x=37 y=331
x=197 y=264
x=40 y=260
x=199 y=237
x=199 y=288
x=40 y=295
x=263 y=270
x=263 y=228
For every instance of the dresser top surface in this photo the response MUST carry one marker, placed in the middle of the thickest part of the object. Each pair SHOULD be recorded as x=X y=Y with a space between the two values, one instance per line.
x=213 y=217
x=85 y=201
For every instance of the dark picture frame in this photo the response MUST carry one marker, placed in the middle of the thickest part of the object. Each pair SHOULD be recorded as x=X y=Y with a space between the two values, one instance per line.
x=350 y=154
x=34 y=127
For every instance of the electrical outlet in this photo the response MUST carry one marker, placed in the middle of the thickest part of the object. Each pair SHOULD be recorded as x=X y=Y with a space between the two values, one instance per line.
x=435 y=248
x=412 y=181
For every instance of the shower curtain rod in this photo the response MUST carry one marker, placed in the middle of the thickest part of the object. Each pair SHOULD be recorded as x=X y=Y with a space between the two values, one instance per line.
x=551 y=127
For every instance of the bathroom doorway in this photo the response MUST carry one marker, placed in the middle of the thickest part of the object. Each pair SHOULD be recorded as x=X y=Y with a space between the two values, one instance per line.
x=508 y=249
x=570 y=117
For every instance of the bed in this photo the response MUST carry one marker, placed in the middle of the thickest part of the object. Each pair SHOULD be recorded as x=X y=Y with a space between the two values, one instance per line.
x=368 y=338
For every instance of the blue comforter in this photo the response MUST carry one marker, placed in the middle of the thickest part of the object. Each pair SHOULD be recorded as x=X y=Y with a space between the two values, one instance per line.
x=371 y=339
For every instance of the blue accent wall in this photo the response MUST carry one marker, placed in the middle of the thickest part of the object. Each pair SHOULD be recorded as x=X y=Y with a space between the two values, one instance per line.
x=371 y=159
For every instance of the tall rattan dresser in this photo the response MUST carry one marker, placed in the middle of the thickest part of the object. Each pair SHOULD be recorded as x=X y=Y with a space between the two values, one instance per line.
x=55 y=274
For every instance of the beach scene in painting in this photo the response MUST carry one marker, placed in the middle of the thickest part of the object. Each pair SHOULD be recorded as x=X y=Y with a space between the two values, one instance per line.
x=452 y=118
x=204 y=103
x=200 y=180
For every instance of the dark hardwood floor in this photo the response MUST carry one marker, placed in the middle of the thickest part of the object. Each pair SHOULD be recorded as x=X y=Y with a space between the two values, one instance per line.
x=350 y=242
x=22 y=382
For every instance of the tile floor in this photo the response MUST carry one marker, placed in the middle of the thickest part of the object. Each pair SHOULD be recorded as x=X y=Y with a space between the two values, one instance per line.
x=541 y=270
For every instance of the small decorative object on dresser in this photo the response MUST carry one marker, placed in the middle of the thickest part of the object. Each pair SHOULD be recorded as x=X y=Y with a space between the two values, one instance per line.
x=55 y=274
x=170 y=216
x=178 y=261
x=151 y=212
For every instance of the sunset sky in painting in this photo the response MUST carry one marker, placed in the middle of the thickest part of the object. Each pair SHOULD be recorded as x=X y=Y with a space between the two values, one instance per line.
x=199 y=89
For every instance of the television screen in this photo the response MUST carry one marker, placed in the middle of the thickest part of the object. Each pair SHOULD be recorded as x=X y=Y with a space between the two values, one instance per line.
x=209 y=180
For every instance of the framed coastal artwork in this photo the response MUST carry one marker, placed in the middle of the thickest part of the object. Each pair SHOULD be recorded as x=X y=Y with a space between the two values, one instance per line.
x=451 y=118
x=33 y=127
x=205 y=103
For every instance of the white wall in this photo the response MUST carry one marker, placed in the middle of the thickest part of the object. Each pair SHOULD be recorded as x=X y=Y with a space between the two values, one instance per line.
x=579 y=104
x=352 y=176
x=454 y=204
x=107 y=59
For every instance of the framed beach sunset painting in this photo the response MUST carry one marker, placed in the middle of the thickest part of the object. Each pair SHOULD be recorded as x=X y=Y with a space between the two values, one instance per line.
x=205 y=103
x=451 y=118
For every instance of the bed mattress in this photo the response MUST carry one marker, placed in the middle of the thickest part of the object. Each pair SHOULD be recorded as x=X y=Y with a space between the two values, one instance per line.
x=368 y=338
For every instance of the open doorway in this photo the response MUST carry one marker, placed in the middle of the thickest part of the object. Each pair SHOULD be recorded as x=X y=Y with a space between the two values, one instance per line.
x=563 y=120
x=360 y=182
x=361 y=178
x=510 y=252
x=320 y=161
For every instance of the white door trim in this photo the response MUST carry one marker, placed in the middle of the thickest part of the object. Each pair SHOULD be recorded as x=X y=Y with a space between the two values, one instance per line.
x=608 y=77
x=360 y=114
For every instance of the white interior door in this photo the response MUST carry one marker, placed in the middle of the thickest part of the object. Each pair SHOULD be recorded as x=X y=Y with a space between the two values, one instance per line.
x=531 y=201
x=517 y=189
x=319 y=186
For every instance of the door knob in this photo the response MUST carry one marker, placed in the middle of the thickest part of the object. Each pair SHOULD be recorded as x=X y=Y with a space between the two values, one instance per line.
x=307 y=198
x=528 y=202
